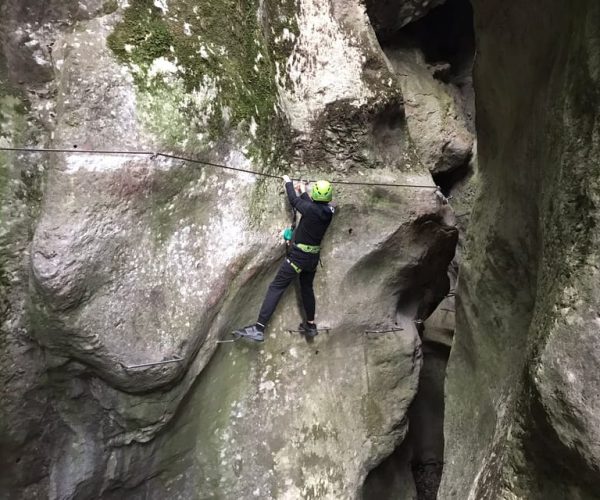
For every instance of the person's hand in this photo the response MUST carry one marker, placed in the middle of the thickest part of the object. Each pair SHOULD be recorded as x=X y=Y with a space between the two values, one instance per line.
x=302 y=187
x=286 y=179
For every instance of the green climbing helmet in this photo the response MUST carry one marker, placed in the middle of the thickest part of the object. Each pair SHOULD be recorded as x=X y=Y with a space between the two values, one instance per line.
x=322 y=191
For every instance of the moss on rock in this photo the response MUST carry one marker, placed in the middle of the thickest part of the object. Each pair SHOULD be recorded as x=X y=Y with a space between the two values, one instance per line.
x=219 y=46
x=12 y=123
x=20 y=193
x=142 y=35
x=110 y=7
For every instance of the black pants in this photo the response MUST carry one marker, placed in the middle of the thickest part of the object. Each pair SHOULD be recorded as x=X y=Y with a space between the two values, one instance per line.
x=286 y=274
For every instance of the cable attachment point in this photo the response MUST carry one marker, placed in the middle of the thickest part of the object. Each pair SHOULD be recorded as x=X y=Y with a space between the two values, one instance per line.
x=154 y=156
x=440 y=196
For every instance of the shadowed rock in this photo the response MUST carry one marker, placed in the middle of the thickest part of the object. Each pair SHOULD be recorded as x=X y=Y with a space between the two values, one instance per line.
x=522 y=400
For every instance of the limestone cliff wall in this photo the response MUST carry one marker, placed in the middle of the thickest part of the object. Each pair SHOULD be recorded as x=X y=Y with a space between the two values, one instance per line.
x=111 y=261
x=522 y=388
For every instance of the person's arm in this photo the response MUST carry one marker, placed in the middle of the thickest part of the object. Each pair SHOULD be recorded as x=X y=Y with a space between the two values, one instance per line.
x=301 y=203
x=301 y=188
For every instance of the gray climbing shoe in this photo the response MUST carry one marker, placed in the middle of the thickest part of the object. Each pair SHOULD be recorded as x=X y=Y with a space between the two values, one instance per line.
x=250 y=332
x=309 y=329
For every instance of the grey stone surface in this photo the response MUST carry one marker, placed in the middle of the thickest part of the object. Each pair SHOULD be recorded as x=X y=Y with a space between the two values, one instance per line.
x=521 y=393
x=290 y=425
x=23 y=441
x=436 y=116
x=128 y=259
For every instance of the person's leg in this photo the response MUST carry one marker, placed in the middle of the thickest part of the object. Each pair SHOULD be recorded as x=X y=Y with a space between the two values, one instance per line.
x=308 y=294
x=284 y=277
x=308 y=300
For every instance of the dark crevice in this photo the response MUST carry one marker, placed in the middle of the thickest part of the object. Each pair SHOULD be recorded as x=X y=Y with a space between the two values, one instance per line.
x=448 y=180
x=427 y=479
x=445 y=36
x=416 y=465
x=444 y=42
x=392 y=478
x=426 y=416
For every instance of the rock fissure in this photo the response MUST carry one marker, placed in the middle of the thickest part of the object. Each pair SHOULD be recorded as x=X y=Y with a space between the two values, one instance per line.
x=438 y=48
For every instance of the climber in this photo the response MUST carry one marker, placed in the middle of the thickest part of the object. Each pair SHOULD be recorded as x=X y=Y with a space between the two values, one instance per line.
x=302 y=259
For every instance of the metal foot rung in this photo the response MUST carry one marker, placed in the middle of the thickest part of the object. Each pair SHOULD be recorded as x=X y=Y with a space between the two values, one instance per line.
x=156 y=363
x=391 y=330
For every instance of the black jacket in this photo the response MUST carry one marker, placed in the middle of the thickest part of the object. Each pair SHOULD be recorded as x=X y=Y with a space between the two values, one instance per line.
x=315 y=220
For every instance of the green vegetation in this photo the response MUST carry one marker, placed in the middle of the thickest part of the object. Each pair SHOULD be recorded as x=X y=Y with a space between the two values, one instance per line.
x=20 y=190
x=12 y=115
x=141 y=36
x=284 y=26
x=109 y=7
x=218 y=44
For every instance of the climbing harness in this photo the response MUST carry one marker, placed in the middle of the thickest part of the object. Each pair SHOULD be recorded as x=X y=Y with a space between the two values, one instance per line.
x=288 y=232
x=308 y=248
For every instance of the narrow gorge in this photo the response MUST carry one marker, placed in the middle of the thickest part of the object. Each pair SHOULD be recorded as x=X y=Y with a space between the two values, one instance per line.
x=459 y=351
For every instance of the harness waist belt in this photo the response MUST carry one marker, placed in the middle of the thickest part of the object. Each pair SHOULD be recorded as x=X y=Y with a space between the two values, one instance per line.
x=308 y=248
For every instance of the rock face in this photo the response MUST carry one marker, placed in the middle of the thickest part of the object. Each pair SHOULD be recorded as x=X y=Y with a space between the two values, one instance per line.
x=522 y=390
x=444 y=140
x=129 y=260
x=23 y=441
x=432 y=59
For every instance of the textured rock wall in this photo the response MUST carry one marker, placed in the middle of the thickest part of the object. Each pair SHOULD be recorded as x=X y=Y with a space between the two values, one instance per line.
x=132 y=260
x=521 y=394
x=433 y=58
x=23 y=119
